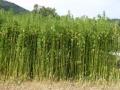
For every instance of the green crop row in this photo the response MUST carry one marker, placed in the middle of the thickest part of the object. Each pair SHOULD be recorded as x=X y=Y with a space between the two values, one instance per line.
x=63 y=48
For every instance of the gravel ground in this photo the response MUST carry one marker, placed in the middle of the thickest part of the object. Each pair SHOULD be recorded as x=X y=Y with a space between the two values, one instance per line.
x=57 y=86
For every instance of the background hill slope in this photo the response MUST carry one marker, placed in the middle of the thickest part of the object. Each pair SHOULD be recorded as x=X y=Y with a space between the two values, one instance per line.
x=11 y=6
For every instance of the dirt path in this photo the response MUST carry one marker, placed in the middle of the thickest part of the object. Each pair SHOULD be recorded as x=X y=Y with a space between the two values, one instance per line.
x=56 y=86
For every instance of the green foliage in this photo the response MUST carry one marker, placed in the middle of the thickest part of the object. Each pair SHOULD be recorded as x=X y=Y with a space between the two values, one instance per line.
x=36 y=47
x=45 y=11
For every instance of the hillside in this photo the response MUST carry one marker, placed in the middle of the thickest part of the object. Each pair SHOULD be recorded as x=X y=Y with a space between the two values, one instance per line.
x=11 y=6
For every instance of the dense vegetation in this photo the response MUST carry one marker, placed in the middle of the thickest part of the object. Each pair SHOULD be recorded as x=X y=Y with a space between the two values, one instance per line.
x=61 y=48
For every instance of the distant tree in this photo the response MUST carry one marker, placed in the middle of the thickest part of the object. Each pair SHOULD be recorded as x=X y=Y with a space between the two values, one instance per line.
x=104 y=14
x=35 y=8
x=69 y=14
x=45 y=11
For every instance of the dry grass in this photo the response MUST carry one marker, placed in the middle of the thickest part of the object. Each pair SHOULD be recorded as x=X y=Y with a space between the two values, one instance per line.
x=58 y=86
